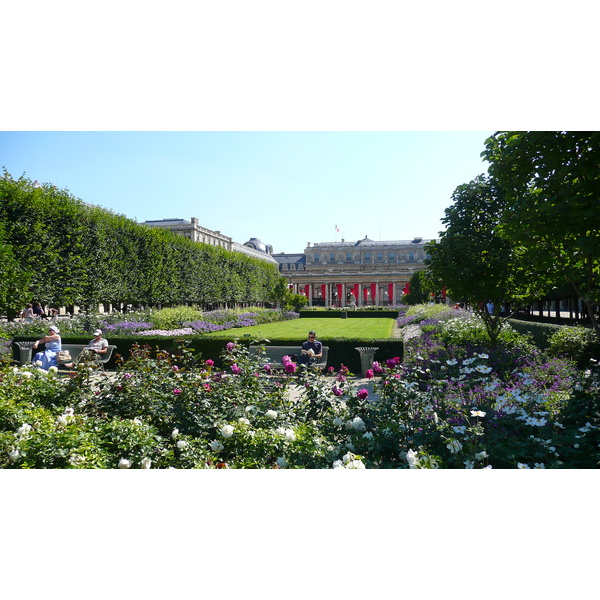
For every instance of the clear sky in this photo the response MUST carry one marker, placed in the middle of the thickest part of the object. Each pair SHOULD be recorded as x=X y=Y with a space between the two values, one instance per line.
x=286 y=188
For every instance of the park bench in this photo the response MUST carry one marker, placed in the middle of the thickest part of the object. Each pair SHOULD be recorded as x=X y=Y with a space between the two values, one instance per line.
x=273 y=354
x=76 y=349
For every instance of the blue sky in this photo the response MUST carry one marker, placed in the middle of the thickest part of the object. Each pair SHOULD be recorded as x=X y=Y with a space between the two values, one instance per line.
x=286 y=188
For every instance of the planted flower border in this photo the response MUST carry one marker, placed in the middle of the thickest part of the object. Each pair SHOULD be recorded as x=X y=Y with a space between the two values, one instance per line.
x=444 y=406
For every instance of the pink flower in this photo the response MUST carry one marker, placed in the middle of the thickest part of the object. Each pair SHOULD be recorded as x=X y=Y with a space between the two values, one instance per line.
x=230 y=346
x=370 y=374
x=235 y=369
x=392 y=362
x=377 y=368
x=127 y=375
x=119 y=387
x=286 y=359
x=330 y=369
x=362 y=393
x=177 y=391
x=207 y=387
x=290 y=367
x=174 y=368
x=337 y=391
x=209 y=363
x=267 y=368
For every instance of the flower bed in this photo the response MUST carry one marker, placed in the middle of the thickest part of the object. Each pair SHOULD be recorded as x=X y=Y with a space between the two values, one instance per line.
x=443 y=406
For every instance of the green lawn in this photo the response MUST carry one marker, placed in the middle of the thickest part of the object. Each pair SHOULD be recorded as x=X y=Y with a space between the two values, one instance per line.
x=365 y=329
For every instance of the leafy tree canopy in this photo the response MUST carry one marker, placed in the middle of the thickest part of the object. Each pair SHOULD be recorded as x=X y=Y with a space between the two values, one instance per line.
x=551 y=184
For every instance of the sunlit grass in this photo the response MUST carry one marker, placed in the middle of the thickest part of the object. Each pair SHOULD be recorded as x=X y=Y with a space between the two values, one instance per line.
x=297 y=329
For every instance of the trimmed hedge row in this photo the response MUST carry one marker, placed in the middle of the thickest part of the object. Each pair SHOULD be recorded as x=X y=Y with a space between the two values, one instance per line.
x=341 y=351
x=351 y=314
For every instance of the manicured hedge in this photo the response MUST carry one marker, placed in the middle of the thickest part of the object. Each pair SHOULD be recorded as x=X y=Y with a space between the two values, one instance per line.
x=340 y=351
x=351 y=314
x=76 y=254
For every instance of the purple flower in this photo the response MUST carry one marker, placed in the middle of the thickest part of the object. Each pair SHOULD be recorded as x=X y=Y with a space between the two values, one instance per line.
x=337 y=391
x=230 y=346
x=127 y=375
x=391 y=363
x=209 y=363
x=267 y=368
x=177 y=391
x=235 y=369
x=377 y=368
x=290 y=367
x=362 y=393
x=370 y=374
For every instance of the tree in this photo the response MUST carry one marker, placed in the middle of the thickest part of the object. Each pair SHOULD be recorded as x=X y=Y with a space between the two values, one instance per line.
x=14 y=281
x=551 y=182
x=473 y=261
x=419 y=289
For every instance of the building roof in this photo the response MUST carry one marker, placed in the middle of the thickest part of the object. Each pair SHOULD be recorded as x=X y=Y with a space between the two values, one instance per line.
x=371 y=243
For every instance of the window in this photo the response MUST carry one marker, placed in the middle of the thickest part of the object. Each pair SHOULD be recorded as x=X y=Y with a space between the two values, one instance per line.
x=411 y=256
x=380 y=257
x=284 y=267
x=332 y=257
x=316 y=258
x=292 y=267
x=300 y=267
x=348 y=256
x=367 y=257
x=392 y=257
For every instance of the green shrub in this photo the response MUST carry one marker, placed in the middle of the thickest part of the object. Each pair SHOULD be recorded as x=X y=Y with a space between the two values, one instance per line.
x=573 y=342
x=172 y=318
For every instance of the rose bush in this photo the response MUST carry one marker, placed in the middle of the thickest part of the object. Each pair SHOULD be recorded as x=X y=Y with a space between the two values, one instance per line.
x=445 y=406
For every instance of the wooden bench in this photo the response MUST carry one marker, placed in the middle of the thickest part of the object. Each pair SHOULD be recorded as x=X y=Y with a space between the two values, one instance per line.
x=273 y=354
x=97 y=361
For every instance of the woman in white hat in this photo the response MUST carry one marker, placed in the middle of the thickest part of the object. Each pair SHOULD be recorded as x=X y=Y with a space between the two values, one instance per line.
x=53 y=346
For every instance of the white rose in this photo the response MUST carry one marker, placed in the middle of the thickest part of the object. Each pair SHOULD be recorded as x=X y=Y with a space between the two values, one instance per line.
x=24 y=430
x=181 y=444
x=174 y=433
x=146 y=463
x=227 y=431
x=272 y=414
x=124 y=463
x=14 y=455
x=216 y=446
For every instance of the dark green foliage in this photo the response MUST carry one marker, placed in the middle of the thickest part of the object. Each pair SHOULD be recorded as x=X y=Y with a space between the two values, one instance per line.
x=66 y=252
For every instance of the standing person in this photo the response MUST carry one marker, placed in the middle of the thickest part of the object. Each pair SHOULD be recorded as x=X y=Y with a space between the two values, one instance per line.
x=53 y=346
x=490 y=307
x=27 y=314
x=312 y=350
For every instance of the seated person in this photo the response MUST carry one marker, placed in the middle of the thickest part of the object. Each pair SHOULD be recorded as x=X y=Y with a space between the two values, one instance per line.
x=38 y=311
x=52 y=340
x=96 y=348
x=312 y=350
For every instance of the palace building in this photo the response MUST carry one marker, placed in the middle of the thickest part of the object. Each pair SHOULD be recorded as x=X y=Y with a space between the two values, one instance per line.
x=364 y=273
x=368 y=272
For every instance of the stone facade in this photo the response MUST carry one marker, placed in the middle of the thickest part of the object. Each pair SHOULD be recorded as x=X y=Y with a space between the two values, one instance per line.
x=195 y=232
x=373 y=273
